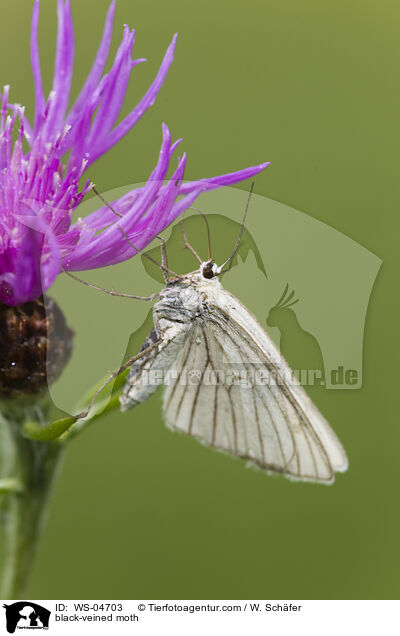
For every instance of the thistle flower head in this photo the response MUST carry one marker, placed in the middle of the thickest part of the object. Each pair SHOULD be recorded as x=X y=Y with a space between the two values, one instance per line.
x=42 y=164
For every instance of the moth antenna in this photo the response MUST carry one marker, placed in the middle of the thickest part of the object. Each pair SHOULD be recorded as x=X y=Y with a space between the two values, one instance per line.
x=137 y=250
x=235 y=249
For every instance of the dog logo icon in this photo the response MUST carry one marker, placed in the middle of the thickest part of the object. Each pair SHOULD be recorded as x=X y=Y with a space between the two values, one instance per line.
x=26 y=615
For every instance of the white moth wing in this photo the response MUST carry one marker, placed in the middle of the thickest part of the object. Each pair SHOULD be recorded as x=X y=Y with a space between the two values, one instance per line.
x=273 y=424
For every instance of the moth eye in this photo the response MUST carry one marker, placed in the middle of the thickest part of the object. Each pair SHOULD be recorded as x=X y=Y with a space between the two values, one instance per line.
x=208 y=270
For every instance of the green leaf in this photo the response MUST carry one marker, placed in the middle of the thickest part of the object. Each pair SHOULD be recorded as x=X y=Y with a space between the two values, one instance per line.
x=99 y=409
x=37 y=433
x=69 y=426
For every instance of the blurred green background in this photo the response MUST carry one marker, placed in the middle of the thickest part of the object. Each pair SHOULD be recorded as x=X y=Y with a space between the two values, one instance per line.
x=139 y=512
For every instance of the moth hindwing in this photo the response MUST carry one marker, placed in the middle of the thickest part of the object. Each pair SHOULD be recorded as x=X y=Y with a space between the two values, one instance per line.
x=228 y=385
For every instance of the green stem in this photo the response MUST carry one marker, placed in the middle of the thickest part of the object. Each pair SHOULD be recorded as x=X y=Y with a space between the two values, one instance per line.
x=22 y=512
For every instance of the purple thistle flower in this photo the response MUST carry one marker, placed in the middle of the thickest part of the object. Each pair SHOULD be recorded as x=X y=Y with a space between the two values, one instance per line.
x=39 y=192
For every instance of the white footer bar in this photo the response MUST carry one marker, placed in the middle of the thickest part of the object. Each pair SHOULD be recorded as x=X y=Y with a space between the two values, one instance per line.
x=176 y=618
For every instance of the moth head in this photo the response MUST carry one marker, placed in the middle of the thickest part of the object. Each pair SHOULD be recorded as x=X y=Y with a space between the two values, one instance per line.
x=209 y=269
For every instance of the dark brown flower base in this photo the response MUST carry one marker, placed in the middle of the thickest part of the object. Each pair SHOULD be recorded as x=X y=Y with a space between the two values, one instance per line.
x=35 y=345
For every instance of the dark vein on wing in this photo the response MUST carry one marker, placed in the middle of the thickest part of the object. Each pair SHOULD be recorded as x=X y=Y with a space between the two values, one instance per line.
x=234 y=422
x=196 y=395
x=259 y=431
x=285 y=389
x=214 y=429
x=171 y=395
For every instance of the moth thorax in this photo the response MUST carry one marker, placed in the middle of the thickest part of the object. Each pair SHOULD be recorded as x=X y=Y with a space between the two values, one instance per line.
x=209 y=269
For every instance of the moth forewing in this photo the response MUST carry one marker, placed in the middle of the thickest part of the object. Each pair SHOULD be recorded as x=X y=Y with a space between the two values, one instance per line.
x=207 y=335
x=247 y=324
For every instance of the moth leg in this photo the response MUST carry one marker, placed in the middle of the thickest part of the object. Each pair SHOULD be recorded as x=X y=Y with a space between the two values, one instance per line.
x=187 y=244
x=126 y=365
x=109 y=291
x=164 y=259
x=203 y=216
x=144 y=378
